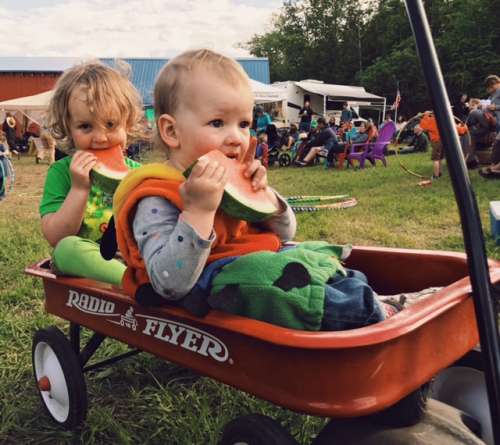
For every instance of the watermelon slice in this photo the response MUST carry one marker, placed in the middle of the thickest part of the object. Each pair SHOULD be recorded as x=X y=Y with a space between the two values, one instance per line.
x=239 y=199
x=110 y=168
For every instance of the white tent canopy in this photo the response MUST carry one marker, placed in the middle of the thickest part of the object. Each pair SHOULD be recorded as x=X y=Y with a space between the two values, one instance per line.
x=267 y=93
x=37 y=102
x=33 y=107
x=339 y=92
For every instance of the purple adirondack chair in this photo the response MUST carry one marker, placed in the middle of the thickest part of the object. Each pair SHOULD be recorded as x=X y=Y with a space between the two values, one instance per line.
x=373 y=150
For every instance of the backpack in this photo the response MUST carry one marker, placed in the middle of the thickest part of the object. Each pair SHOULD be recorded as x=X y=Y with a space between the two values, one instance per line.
x=490 y=118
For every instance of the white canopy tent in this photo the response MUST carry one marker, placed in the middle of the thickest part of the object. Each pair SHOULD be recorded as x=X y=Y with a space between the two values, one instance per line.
x=340 y=92
x=33 y=107
x=37 y=102
x=267 y=93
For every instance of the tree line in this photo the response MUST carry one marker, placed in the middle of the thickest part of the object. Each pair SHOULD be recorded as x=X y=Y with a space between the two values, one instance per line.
x=371 y=44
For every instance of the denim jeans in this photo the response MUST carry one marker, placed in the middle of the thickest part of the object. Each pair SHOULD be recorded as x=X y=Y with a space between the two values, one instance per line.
x=350 y=303
x=334 y=147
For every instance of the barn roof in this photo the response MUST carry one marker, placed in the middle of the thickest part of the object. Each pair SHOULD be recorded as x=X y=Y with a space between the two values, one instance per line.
x=144 y=70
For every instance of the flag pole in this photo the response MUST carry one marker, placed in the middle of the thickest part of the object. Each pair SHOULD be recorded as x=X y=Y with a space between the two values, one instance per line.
x=397 y=103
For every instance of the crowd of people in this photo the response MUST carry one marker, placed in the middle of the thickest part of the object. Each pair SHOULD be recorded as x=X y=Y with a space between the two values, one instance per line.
x=313 y=137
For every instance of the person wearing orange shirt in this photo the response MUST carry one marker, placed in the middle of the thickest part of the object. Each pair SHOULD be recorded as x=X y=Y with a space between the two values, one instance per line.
x=428 y=124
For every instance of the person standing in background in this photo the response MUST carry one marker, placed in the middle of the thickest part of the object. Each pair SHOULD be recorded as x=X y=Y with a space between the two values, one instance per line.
x=346 y=115
x=263 y=119
x=9 y=128
x=305 y=115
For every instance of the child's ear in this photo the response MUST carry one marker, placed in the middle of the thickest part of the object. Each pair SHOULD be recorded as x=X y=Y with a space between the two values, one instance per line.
x=167 y=129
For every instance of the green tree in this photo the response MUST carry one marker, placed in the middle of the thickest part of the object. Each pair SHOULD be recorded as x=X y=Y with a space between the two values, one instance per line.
x=371 y=43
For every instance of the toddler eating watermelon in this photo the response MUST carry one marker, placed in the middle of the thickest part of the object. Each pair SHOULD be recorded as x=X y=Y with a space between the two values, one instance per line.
x=216 y=239
x=93 y=110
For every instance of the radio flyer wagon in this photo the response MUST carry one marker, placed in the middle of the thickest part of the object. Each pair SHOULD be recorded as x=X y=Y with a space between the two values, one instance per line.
x=382 y=368
x=375 y=367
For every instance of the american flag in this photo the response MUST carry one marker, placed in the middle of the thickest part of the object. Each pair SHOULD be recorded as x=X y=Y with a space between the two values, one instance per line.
x=395 y=105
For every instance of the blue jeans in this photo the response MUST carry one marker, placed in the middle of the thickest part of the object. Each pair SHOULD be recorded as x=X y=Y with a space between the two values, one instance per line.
x=350 y=303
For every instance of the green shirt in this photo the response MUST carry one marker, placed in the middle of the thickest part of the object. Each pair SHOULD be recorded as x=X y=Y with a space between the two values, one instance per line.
x=99 y=205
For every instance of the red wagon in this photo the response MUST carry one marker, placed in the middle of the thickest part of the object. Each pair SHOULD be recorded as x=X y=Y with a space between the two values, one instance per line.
x=374 y=366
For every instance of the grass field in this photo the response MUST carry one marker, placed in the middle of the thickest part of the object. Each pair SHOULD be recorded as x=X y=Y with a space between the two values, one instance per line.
x=147 y=401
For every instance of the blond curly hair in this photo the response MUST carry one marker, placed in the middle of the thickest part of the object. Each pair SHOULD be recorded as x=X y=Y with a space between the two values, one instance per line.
x=108 y=90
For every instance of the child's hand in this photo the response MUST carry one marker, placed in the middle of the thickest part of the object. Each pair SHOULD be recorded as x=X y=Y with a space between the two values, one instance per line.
x=203 y=189
x=80 y=167
x=257 y=174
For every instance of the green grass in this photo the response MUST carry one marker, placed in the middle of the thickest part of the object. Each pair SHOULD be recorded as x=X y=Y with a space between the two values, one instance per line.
x=149 y=401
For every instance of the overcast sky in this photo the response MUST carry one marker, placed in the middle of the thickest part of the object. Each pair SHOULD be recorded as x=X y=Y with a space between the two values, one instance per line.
x=129 y=28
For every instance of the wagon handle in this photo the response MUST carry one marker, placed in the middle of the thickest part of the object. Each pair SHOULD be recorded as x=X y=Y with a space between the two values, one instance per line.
x=467 y=205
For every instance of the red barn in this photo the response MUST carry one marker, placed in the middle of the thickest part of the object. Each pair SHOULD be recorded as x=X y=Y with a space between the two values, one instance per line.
x=25 y=76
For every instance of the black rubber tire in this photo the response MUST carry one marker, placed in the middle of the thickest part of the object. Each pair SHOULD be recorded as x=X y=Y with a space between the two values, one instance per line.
x=407 y=412
x=73 y=374
x=284 y=160
x=256 y=429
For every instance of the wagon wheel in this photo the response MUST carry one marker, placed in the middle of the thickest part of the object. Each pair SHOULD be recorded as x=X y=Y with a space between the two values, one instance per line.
x=255 y=429
x=284 y=160
x=407 y=412
x=59 y=378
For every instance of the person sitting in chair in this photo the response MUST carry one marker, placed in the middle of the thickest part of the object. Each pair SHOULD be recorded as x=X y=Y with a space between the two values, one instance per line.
x=420 y=142
x=360 y=136
x=480 y=132
x=326 y=140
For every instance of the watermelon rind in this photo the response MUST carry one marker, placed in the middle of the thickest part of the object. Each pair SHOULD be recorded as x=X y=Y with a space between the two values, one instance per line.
x=106 y=179
x=238 y=206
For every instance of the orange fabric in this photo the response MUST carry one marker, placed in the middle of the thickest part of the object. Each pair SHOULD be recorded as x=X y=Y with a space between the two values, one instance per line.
x=462 y=129
x=429 y=124
x=233 y=237
x=372 y=133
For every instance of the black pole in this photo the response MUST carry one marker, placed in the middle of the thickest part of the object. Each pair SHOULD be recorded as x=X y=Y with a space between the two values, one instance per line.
x=469 y=214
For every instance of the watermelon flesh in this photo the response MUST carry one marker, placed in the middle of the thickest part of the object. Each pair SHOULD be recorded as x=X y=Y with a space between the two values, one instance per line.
x=239 y=199
x=110 y=168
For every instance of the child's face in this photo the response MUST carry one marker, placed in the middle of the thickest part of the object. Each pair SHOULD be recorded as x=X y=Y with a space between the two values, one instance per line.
x=492 y=88
x=93 y=130
x=212 y=115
